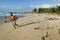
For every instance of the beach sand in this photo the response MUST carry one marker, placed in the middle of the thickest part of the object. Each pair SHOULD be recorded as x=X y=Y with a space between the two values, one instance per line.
x=32 y=27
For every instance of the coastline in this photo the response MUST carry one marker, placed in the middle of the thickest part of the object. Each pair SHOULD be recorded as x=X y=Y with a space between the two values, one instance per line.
x=2 y=18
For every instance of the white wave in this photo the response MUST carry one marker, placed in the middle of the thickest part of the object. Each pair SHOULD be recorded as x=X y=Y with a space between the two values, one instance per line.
x=1 y=13
x=7 y=14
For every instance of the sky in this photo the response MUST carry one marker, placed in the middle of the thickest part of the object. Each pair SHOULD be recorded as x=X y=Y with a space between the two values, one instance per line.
x=26 y=5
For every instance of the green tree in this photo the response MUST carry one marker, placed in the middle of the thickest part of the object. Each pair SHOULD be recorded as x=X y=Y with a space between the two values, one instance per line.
x=52 y=10
x=40 y=10
x=58 y=9
x=35 y=10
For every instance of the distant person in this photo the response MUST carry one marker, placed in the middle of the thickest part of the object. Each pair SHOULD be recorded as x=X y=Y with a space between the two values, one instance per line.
x=13 y=19
x=5 y=19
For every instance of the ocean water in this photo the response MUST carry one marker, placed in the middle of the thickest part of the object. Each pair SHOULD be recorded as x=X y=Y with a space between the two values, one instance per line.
x=2 y=16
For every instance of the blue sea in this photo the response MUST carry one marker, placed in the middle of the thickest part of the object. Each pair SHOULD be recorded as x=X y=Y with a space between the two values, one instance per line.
x=7 y=14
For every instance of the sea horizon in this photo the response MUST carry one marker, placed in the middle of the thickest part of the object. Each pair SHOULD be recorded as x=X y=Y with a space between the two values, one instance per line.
x=8 y=14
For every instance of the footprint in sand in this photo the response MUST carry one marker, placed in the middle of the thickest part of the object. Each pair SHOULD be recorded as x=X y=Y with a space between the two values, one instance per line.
x=36 y=28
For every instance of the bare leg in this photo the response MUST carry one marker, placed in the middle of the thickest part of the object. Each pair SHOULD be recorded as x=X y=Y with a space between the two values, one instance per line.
x=14 y=27
x=17 y=25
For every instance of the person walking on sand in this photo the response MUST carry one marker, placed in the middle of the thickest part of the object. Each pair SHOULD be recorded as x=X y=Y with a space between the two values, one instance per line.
x=13 y=19
x=5 y=19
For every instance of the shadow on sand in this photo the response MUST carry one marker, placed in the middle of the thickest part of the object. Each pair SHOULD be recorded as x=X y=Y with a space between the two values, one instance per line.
x=28 y=24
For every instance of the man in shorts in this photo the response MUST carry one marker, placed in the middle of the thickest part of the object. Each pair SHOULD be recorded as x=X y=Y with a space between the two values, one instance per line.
x=13 y=19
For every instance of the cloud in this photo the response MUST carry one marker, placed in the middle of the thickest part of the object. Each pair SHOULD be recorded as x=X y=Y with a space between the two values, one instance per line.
x=42 y=6
x=46 y=6
x=7 y=8
x=3 y=6
x=56 y=1
x=31 y=6
x=15 y=8
x=11 y=8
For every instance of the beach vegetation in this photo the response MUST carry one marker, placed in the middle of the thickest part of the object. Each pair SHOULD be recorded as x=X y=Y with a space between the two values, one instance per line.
x=55 y=9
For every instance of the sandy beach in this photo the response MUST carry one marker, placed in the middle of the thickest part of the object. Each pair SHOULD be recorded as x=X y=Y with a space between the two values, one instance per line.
x=32 y=27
